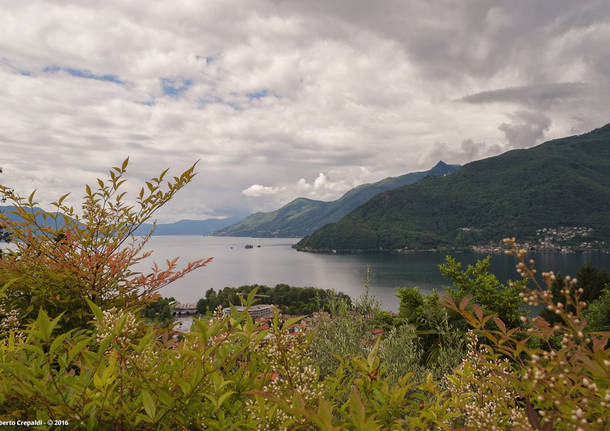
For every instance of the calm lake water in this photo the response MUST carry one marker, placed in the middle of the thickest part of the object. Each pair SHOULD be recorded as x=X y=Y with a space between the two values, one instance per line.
x=276 y=262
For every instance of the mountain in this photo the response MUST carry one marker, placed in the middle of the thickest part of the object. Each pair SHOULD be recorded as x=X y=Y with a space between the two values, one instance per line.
x=182 y=227
x=8 y=211
x=303 y=216
x=558 y=184
x=187 y=227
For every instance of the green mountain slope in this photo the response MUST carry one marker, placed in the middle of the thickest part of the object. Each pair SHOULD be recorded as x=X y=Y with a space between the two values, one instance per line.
x=303 y=216
x=564 y=182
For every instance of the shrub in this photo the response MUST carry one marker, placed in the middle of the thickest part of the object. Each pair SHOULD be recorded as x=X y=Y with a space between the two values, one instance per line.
x=563 y=387
x=62 y=259
x=116 y=377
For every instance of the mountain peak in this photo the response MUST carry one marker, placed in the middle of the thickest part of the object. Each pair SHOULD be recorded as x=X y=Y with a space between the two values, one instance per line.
x=442 y=168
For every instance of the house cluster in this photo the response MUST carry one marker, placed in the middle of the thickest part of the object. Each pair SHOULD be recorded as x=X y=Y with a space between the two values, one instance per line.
x=261 y=313
x=258 y=311
x=563 y=239
x=184 y=309
x=550 y=235
x=488 y=249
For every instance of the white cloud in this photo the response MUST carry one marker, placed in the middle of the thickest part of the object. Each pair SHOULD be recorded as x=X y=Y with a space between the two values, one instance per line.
x=285 y=99
x=256 y=190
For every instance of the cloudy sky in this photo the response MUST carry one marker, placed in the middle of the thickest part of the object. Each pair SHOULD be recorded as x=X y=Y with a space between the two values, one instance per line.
x=287 y=98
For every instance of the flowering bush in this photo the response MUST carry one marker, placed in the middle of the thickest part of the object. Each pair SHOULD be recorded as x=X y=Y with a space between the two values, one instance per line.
x=564 y=387
x=293 y=375
x=61 y=259
x=111 y=378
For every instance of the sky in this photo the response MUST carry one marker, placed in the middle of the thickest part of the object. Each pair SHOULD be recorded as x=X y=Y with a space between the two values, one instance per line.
x=279 y=99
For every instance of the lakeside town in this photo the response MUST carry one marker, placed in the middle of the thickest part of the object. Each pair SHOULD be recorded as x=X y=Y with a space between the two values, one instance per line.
x=562 y=239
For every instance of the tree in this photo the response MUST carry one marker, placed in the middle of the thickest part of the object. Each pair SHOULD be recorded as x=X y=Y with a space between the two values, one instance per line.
x=484 y=289
x=70 y=258
x=593 y=282
x=160 y=311
x=4 y=236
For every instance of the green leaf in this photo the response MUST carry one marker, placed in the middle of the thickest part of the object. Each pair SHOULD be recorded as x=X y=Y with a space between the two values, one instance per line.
x=57 y=342
x=96 y=310
x=372 y=356
x=62 y=198
x=78 y=347
x=223 y=398
x=149 y=404
x=357 y=409
x=44 y=324
x=6 y=286
x=144 y=341
x=293 y=320
x=185 y=386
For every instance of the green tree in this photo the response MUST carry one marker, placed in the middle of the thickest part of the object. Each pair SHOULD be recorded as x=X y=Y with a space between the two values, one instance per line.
x=160 y=311
x=477 y=283
x=4 y=236
x=411 y=303
x=592 y=281
x=597 y=313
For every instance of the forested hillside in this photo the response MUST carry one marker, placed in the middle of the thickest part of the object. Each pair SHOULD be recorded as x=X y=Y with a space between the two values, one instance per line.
x=560 y=183
x=303 y=216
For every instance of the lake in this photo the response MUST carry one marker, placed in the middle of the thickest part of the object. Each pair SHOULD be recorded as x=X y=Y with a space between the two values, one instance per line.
x=276 y=262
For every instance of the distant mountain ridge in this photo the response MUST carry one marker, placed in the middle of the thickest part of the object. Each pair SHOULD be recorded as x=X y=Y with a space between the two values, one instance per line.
x=303 y=216
x=187 y=227
x=8 y=211
x=182 y=227
x=563 y=182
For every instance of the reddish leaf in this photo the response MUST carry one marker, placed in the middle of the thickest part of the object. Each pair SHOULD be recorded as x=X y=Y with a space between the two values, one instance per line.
x=532 y=416
x=500 y=324
x=478 y=311
x=463 y=303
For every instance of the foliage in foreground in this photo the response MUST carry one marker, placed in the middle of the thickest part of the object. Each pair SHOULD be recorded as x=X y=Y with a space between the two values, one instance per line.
x=100 y=366
x=62 y=259
x=228 y=373
x=225 y=374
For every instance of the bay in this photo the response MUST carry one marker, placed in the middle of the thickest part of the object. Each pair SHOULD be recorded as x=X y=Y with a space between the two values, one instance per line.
x=275 y=261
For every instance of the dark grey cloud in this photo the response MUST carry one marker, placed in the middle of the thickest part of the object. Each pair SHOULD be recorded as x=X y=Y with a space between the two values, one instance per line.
x=525 y=129
x=469 y=38
x=465 y=152
x=541 y=96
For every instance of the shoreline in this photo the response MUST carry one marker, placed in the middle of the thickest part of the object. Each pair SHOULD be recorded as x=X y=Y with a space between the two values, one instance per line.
x=473 y=249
